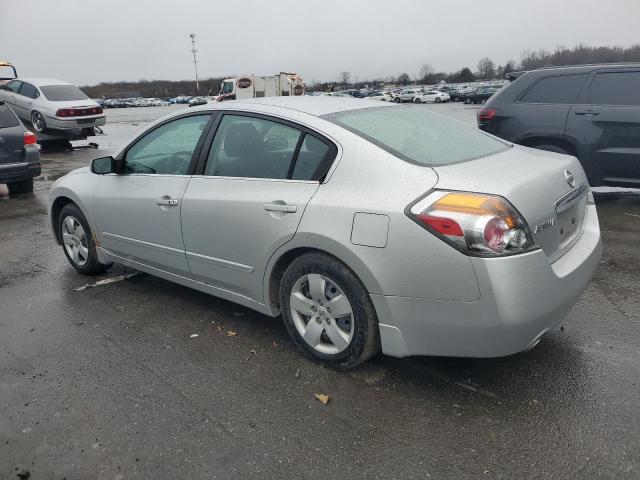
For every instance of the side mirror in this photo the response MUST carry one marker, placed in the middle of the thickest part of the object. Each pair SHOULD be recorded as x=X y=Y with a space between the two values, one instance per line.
x=103 y=165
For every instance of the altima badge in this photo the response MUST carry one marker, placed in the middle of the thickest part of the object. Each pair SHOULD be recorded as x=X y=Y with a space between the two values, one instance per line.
x=544 y=225
x=569 y=178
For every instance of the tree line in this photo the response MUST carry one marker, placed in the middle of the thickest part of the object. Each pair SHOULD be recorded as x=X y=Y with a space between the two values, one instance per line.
x=486 y=69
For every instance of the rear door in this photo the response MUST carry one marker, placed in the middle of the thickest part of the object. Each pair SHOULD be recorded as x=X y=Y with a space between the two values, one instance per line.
x=607 y=126
x=543 y=108
x=24 y=99
x=138 y=212
x=256 y=180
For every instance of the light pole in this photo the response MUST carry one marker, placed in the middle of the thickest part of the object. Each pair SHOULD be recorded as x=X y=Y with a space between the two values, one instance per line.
x=195 y=62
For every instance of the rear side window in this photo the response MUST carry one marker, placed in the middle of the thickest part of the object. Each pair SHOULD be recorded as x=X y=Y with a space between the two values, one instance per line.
x=615 y=88
x=29 y=90
x=311 y=158
x=419 y=135
x=7 y=118
x=252 y=147
x=559 y=89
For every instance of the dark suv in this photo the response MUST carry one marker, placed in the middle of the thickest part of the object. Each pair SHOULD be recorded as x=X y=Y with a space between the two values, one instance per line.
x=589 y=111
x=19 y=154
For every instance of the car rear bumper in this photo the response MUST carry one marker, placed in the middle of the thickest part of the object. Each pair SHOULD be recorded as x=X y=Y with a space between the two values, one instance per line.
x=57 y=123
x=23 y=170
x=522 y=297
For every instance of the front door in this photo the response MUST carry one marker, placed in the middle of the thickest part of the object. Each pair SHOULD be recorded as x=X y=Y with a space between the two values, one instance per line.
x=608 y=126
x=258 y=178
x=138 y=212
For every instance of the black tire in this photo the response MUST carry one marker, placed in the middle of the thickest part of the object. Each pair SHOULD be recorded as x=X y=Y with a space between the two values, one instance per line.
x=25 y=186
x=467 y=101
x=365 y=342
x=417 y=100
x=38 y=122
x=397 y=100
x=551 y=148
x=437 y=100
x=92 y=265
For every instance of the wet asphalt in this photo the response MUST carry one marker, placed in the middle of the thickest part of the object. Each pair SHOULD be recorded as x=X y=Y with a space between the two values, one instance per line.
x=110 y=383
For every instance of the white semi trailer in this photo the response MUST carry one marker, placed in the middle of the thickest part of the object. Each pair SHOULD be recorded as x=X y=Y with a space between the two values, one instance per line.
x=256 y=86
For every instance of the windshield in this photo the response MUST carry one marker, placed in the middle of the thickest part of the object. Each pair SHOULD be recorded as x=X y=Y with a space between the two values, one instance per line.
x=418 y=135
x=227 y=87
x=63 y=93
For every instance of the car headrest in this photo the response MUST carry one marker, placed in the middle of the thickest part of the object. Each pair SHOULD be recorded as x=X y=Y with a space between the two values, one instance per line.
x=242 y=140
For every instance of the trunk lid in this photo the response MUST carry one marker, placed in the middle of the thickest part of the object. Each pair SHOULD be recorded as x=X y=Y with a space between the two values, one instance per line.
x=535 y=183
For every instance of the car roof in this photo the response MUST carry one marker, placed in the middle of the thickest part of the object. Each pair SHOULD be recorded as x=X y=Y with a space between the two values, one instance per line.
x=311 y=105
x=585 y=67
x=42 y=81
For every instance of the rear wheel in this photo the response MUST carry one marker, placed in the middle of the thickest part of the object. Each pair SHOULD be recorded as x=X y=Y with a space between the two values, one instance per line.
x=77 y=241
x=25 y=186
x=397 y=100
x=438 y=100
x=327 y=311
x=37 y=120
x=417 y=100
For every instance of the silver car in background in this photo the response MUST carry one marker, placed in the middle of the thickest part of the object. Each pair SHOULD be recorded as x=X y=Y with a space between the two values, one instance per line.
x=370 y=227
x=51 y=104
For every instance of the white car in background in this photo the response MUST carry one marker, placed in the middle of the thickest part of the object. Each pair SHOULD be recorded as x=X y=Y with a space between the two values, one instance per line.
x=407 y=95
x=431 y=96
x=381 y=97
x=50 y=104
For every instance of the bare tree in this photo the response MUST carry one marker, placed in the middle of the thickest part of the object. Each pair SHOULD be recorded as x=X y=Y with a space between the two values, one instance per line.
x=486 y=68
x=426 y=71
x=344 y=78
x=404 y=79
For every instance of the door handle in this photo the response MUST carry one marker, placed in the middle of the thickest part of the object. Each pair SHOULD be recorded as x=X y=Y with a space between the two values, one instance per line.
x=280 y=207
x=169 y=202
x=586 y=112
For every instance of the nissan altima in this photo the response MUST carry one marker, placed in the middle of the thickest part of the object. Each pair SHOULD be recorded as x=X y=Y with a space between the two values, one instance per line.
x=369 y=227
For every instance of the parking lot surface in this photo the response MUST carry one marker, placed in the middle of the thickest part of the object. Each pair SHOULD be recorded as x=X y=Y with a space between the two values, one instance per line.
x=112 y=382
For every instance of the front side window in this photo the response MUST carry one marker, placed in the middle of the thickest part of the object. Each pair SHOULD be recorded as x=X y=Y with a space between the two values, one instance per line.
x=63 y=93
x=13 y=86
x=559 y=89
x=615 y=88
x=252 y=147
x=166 y=150
x=29 y=91
x=418 y=135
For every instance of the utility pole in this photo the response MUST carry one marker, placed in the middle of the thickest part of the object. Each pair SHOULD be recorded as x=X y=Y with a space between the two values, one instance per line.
x=195 y=62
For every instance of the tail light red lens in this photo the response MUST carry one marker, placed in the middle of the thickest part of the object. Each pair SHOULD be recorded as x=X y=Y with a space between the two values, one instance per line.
x=486 y=114
x=476 y=224
x=30 y=138
x=78 y=112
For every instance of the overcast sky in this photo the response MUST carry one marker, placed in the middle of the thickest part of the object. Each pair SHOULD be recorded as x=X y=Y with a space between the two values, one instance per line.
x=88 y=41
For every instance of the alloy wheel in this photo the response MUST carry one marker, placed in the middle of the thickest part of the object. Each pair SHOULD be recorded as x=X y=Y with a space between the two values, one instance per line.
x=74 y=240
x=37 y=120
x=322 y=313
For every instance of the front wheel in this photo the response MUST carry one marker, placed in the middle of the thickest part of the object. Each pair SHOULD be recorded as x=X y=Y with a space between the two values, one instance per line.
x=417 y=100
x=438 y=100
x=37 y=120
x=78 y=242
x=397 y=100
x=328 y=312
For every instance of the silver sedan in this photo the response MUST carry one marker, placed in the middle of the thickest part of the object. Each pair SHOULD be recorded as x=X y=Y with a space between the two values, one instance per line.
x=368 y=227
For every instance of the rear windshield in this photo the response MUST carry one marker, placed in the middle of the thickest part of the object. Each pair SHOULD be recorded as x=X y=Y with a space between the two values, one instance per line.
x=7 y=118
x=63 y=93
x=418 y=135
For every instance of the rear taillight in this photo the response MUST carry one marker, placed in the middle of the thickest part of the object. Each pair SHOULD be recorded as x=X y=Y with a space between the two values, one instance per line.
x=29 y=138
x=486 y=114
x=78 y=112
x=474 y=223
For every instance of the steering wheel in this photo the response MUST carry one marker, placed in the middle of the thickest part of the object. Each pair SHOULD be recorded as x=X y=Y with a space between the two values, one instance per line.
x=176 y=164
